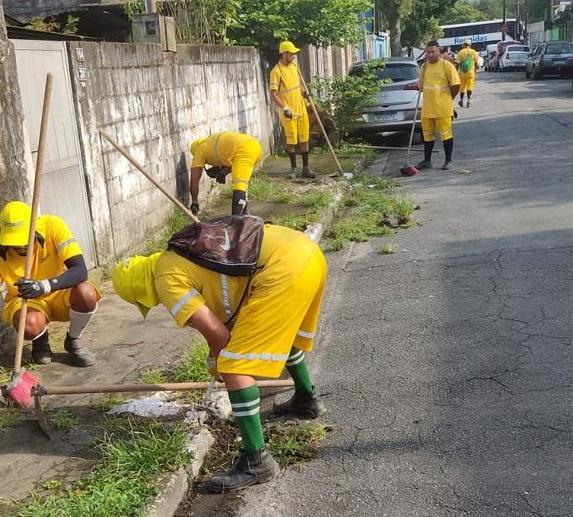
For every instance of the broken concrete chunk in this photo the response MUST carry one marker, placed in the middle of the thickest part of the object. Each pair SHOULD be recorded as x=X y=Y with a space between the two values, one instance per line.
x=157 y=405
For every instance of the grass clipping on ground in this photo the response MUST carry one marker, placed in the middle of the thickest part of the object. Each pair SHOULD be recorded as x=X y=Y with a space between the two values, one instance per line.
x=370 y=208
x=134 y=454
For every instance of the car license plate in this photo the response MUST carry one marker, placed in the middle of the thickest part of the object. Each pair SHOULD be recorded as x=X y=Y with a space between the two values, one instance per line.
x=386 y=117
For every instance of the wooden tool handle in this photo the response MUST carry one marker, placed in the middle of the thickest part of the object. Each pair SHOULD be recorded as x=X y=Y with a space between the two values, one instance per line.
x=122 y=150
x=320 y=123
x=33 y=217
x=135 y=388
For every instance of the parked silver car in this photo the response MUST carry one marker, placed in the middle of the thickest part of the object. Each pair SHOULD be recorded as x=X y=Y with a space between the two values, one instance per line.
x=514 y=57
x=396 y=101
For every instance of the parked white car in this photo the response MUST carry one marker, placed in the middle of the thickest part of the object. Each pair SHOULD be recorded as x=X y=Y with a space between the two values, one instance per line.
x=514 y=57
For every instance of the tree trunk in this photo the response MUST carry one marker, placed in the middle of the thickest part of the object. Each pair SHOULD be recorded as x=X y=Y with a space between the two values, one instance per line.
x=396 y=36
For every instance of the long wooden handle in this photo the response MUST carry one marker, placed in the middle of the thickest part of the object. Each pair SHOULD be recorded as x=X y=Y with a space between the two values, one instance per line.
x=33 y=217
x=413 y=129
x=122 y=150
x=320 y=123
x=135 y=388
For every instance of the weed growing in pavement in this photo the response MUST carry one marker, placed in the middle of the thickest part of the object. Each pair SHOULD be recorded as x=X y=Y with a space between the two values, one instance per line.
x=316 y=200
x=5 y=375
x=108 y=401
x=292 y=443
x=9 y=417
x=386 y=249
x=297 y=221
x=53 y=484
x=152 y=376
x=262 y=188
x=404 y=208
x=64 y=419
x=176 y=222
x=134 y=453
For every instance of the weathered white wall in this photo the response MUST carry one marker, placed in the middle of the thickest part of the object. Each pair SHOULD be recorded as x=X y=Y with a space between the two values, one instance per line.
x=155 y=104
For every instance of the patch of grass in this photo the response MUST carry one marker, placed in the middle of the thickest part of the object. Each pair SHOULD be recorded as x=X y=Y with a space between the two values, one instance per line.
x=9 y=417
x=262 y=188
x=53 y=484
x=316 y=200
x=108 y=401
x=176 y=222
x=404 y=208
x=5 y=374
x=134 y=453
x=193 y=365
x=386 y=249
x=152 y=376
x=64 y=419
x=297 y=221
x=293 y=443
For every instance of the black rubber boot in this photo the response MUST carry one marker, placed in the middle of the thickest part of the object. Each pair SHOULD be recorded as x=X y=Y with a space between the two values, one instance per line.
x=292 y=174
x=79 y=354
x=424 y=164
x=303 y=405
x=41 y=353
x=307 y=172
x=251 y=469
x=240 y=205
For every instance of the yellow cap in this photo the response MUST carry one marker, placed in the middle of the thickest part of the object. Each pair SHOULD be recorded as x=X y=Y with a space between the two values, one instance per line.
x=197 y=143
x=288 y=46
x=133 y=280
x=15 y=224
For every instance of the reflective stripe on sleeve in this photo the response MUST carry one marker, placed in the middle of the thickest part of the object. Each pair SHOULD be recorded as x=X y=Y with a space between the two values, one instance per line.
x=62 y=245
x=226 y=301
x=182 y=301
x=254 y=357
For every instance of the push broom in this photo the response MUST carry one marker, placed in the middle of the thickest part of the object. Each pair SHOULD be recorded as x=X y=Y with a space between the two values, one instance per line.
x=19 y=388
x=408 y=169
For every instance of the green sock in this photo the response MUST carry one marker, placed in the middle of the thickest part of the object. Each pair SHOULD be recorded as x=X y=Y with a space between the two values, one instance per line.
x=298 y=369
x=246 y=404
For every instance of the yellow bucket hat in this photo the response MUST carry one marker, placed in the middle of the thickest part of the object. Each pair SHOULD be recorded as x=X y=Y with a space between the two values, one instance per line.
x=15 y=224
x=197 y=143
x=288 y=46
x=134 y=281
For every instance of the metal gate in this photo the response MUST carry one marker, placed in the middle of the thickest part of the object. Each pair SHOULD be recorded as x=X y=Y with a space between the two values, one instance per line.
x=63 y=184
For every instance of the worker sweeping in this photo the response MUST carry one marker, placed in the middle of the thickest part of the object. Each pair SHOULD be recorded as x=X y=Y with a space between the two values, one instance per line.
x=440 y=84
x=58 y=289
x=228 y=152
x=288 y=94
x=254 y=326
x=468 y=60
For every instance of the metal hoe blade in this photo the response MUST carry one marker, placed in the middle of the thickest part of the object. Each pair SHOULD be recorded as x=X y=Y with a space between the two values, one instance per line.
x=40 y=415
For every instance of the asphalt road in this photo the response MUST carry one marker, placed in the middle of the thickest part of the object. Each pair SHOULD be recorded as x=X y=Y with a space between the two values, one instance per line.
x=447 y=368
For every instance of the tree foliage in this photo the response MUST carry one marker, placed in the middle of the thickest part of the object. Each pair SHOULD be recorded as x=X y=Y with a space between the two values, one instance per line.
x=463 y=12
x=318 y=22
x=422 y=24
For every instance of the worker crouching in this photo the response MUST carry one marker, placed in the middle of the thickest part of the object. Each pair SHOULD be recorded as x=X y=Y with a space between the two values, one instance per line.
x=57 y=290
x=254 y=328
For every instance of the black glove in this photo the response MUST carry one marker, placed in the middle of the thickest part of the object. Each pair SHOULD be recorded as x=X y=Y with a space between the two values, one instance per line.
x=288 y=113
x=218 y=173
x=194 y=207
x=33 y=288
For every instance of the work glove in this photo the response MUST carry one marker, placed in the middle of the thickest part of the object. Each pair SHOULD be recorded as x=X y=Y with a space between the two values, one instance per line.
x=212 y=367
x=288 y=113
x=33 y=288
x=194 y=207
x=218 y=173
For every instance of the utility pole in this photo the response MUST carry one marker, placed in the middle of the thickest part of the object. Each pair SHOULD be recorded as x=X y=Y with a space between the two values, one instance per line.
x=504 y=23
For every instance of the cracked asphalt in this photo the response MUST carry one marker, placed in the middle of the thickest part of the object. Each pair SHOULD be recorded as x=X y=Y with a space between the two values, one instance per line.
x=447 y=367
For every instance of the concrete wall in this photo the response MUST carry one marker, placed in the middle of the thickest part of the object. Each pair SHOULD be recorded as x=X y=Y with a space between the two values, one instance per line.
x=155 y=104
x=13 y=165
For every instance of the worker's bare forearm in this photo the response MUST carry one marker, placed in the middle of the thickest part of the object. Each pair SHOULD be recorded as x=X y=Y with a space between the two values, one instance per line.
x=277 y=100
x=194 y=182
x=212 y=328
x=454 y=91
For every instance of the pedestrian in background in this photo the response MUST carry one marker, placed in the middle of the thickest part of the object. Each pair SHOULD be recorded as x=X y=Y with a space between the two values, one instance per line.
x=468 y=62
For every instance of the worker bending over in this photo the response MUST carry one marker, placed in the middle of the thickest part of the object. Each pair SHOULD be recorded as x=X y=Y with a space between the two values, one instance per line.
x=468 y=61
x=227 y=152
x=275 y=326
x=57 y=290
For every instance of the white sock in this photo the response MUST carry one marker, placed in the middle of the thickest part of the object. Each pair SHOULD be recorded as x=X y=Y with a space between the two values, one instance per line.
x=78 y=322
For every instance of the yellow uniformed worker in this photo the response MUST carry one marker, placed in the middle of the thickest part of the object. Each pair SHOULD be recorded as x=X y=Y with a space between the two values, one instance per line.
x=468 y=62
x=275 y=326
x=227 y=152
x=288 y=94
x=57 y=290
x=440 y=83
